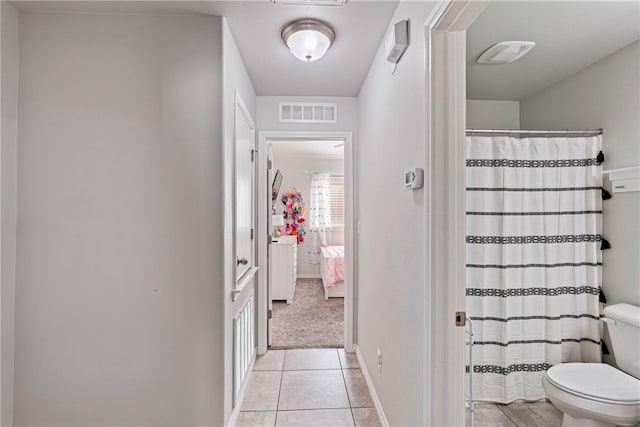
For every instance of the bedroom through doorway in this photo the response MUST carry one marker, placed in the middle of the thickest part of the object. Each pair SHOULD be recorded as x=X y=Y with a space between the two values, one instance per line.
x=306 y=274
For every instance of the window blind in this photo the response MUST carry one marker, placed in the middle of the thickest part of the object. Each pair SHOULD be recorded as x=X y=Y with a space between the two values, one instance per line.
x=336 y=200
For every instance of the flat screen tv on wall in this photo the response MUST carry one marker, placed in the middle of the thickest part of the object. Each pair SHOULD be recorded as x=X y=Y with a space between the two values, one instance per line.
x=275 y=188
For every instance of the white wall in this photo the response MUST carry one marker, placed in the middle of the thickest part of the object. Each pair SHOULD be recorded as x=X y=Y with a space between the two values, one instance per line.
x=235 y=78
x=293 y=172
x=604 y=95
x=119 y=314
x=268 y=121
x=8 y=180
x=268 y=111
x=391 y=240
x=490 y=114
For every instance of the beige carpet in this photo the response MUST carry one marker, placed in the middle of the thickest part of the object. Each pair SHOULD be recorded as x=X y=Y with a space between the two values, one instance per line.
x=309 y=321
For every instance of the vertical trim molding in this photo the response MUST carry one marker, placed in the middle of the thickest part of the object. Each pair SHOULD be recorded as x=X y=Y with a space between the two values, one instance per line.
x=445 y=216
x=233 y=419
x=349 y=229
x=1 y=281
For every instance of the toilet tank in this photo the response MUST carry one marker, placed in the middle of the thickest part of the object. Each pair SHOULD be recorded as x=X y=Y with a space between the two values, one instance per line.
x=625 y=336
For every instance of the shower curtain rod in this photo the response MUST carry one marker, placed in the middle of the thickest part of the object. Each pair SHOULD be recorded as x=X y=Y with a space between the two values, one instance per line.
x=523 y=133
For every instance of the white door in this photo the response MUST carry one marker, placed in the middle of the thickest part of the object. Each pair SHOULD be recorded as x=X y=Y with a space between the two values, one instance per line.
x=270 y=174
x=245 y=190
x=244 y=202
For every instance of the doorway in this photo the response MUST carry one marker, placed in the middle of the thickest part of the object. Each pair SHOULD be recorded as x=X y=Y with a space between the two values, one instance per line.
x=306 y=260
x=305 y=299
x=536 y=285
x=447 y=66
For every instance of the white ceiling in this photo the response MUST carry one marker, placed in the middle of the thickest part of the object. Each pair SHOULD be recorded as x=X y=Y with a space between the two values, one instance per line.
x=315 y=149
x=359 y=25
x=256 y=26
x=569 y=36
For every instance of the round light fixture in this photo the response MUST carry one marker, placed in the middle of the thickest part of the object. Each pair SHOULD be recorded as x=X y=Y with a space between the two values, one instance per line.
x=308 y=39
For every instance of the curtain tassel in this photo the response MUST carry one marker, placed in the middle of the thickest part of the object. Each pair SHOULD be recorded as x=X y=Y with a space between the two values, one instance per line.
x=605 y=245
x=600 y=158
x=605 y=349
x=606 y=195
x=602 y=297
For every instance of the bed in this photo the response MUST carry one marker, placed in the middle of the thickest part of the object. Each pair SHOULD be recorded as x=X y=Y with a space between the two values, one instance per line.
x=332 y=271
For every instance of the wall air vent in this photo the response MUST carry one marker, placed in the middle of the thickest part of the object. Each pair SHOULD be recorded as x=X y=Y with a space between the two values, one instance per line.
x=312 y=2
x=308 y=112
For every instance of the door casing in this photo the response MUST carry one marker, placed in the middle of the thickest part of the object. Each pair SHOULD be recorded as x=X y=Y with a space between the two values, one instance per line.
x=444 y=291
x=264 y=199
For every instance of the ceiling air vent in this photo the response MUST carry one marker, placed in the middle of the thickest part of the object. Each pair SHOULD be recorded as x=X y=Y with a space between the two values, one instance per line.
x=505 y=52
x=308 y=112
x=312 y=2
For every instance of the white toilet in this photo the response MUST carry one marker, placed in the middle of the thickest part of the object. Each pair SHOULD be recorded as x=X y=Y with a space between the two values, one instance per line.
x=597 y=394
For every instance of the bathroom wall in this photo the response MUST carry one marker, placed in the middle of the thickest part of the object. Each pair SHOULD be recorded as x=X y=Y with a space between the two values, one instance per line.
x=119 y=307
x=489 y=114
x=8 y=204
x=604 y=95
x=293 y=172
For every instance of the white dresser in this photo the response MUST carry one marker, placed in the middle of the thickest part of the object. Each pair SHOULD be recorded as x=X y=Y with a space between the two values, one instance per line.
x=284 y=264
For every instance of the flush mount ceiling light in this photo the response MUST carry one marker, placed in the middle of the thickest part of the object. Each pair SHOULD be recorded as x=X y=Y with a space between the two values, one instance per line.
x=308 y=39
x=505 y=52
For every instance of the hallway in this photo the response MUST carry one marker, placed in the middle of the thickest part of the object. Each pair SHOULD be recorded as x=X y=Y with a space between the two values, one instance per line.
x=310 y=387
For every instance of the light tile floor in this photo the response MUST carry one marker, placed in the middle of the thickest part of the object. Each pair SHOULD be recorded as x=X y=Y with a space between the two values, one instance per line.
x=529 y=414
x=310 y=387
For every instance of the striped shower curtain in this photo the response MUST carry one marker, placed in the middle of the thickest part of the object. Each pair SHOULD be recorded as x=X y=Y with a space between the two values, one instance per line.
x=534 y=230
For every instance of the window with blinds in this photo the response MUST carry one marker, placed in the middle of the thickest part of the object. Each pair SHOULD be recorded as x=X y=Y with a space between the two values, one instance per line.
x=336 y=200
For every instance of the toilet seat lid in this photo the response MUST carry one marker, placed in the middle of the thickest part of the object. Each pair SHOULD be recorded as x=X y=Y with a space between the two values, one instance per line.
x=596 y=380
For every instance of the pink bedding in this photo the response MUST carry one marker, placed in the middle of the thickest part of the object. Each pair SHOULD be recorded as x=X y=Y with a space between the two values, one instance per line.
x=334 y=258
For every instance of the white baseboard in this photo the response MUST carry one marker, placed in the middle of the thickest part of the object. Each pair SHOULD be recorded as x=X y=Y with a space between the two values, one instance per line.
x=372 y=390
x=233 y=419
x=309 y=276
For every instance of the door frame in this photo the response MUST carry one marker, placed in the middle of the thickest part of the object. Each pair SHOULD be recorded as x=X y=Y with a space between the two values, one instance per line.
x=445 y=32
x=264 y=197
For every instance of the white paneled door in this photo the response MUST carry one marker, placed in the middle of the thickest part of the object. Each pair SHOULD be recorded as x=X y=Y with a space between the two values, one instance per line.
x=271 y=208
x=245 y=190
x=244 y=320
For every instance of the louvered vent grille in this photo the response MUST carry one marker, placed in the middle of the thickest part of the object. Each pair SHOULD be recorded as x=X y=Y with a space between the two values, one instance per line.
x=308 y=112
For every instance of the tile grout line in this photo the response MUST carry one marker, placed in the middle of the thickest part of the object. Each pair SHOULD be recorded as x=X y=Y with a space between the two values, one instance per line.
x=506 y=415
x=339 y=408
x=341 y=367
x=276 y=348
x=310 y=409
x=284 y=358
x=314 y=369
x=346 y=389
